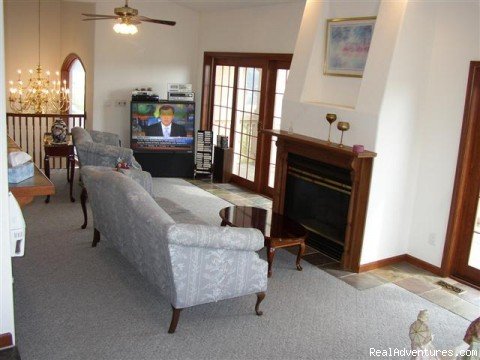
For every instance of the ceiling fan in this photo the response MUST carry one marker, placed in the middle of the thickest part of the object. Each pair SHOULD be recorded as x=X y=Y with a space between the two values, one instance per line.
x=127 y=19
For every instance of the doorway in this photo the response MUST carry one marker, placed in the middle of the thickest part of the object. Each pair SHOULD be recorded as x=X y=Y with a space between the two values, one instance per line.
x=462 y=250
x=242 y=95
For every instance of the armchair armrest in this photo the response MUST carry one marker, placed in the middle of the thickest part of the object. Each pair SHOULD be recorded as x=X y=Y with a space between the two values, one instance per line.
x=105 y=138
x=90 y=153
x=216 y=237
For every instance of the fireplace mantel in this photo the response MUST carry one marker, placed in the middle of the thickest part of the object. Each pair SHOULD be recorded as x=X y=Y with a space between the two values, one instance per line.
x=359 y=166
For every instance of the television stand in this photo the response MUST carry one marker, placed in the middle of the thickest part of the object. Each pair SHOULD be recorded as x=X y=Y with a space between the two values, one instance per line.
x=167 y=164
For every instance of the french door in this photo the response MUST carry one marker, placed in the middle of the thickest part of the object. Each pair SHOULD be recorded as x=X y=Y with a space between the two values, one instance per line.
x=462 y=251
x=241 y=98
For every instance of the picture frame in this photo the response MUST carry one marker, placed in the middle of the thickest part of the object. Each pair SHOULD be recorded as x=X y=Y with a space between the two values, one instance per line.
x=347 y=44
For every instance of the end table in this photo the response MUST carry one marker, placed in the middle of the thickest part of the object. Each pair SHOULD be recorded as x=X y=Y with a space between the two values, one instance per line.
x=65 y=149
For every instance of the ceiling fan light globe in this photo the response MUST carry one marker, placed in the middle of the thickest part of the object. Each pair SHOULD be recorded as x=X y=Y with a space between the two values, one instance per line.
x=126 y=29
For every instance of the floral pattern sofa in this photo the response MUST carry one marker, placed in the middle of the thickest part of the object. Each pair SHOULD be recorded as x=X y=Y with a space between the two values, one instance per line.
x=191 y=264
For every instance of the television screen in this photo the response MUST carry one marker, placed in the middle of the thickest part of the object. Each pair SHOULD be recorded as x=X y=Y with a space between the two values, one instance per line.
x=162 y=126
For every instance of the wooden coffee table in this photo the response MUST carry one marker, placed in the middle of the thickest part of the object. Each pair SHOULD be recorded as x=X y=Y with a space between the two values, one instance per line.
x=278 y=230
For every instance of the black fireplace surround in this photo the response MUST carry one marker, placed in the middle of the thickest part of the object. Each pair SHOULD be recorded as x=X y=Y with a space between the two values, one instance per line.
x=318 y=196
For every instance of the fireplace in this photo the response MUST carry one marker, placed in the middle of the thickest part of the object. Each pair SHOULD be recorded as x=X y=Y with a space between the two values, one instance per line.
x=325 y=188
x=317 y=195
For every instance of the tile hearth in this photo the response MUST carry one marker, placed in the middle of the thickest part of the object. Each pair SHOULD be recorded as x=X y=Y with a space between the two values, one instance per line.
x=405 y=275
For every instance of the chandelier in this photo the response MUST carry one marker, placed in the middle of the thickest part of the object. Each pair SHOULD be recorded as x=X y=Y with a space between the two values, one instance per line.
x=40 y=94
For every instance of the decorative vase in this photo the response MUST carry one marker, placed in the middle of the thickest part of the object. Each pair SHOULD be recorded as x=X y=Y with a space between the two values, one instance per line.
x=59 y=131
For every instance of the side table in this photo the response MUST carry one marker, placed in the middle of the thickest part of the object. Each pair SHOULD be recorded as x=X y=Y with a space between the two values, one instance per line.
x=278 y=230
x=65 y=149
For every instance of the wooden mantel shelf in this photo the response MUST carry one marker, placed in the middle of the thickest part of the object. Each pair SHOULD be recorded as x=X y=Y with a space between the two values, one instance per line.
x=310 y=141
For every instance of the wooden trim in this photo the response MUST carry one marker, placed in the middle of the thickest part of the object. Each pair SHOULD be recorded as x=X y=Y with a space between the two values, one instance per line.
x=412 y=260
x=463 y=281
x=467 y=182
x=6 y=340
x=265 y=61
x=424 y=265
x=384 y=262
x=65 y=75
x=207 y=92
x=237 y=55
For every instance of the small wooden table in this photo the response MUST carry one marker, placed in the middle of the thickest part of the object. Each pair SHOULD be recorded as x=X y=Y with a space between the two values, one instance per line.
x=38 y=185
x=279 y=231
x=66 y=150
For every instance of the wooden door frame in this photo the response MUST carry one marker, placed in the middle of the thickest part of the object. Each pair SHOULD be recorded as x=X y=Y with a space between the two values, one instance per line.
x=467 y=179
x=263 y=60
x=268 y=124
x=65 y=76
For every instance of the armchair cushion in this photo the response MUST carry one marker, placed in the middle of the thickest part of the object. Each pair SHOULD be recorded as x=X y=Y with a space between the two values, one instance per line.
x=91 y=153
x=105 y=138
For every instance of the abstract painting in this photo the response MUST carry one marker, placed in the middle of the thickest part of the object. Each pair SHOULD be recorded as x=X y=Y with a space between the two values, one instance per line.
x=347 y=45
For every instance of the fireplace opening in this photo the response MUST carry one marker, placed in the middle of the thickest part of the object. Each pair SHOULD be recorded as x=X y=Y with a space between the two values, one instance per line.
x=318 y=196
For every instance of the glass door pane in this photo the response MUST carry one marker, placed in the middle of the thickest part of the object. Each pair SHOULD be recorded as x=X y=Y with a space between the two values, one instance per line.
x=282 y=76
x=223 y=100
x=474 y=258
x=247 y=115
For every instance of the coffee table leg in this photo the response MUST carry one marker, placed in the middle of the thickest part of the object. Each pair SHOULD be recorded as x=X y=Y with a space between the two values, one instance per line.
x=301 y=250
x=270 y=256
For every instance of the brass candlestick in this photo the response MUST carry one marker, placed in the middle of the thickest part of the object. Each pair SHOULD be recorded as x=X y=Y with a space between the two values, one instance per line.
x=331 y=118
x=342 y=126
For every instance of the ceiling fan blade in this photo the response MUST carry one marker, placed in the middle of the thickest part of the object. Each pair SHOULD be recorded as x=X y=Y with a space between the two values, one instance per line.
x=101 y=16
x=163 y=22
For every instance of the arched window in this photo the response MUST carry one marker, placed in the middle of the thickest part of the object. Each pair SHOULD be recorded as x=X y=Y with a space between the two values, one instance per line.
x=74 y=73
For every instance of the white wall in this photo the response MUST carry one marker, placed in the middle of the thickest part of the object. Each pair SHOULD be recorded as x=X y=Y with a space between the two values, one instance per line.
x=78 y=37
x=257 y=29
x=394 y=181
x=21 y=37
x=408 y=103
x=264 y=29
x=440 y=121
x=6 y=293
x=155 y=56
x=62 y=33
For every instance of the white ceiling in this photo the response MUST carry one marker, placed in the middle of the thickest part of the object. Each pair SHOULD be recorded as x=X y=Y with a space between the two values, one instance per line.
x=202 y=5
x=199 y=5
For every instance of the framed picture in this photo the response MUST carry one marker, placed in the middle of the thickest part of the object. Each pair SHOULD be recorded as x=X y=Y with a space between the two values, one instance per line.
x=347 y=44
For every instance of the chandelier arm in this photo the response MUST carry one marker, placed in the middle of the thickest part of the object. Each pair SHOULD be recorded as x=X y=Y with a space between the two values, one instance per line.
x=39 y=33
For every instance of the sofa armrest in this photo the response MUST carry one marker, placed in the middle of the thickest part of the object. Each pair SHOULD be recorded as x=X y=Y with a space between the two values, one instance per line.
x=216 y=237
x=90 y=153
x=105 y=138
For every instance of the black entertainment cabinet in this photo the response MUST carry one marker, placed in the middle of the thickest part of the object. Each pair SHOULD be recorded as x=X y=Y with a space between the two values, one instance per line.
x=174 y=164
x=158 y=160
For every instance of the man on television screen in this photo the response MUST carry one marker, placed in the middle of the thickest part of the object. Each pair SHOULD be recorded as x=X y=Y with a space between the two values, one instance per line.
x=166 y=127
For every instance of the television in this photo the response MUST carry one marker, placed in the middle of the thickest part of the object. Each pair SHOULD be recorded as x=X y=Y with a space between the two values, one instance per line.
x=164 y=126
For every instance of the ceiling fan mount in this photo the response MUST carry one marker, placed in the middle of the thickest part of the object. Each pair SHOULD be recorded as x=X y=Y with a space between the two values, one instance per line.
x=125 y=10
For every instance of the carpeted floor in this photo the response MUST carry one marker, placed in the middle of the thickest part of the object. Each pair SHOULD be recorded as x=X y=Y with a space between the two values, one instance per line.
x=77 y=302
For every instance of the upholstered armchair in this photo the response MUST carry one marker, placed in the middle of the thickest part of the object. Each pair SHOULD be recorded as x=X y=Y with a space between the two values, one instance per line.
x=98 y=148
x=191 y=264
